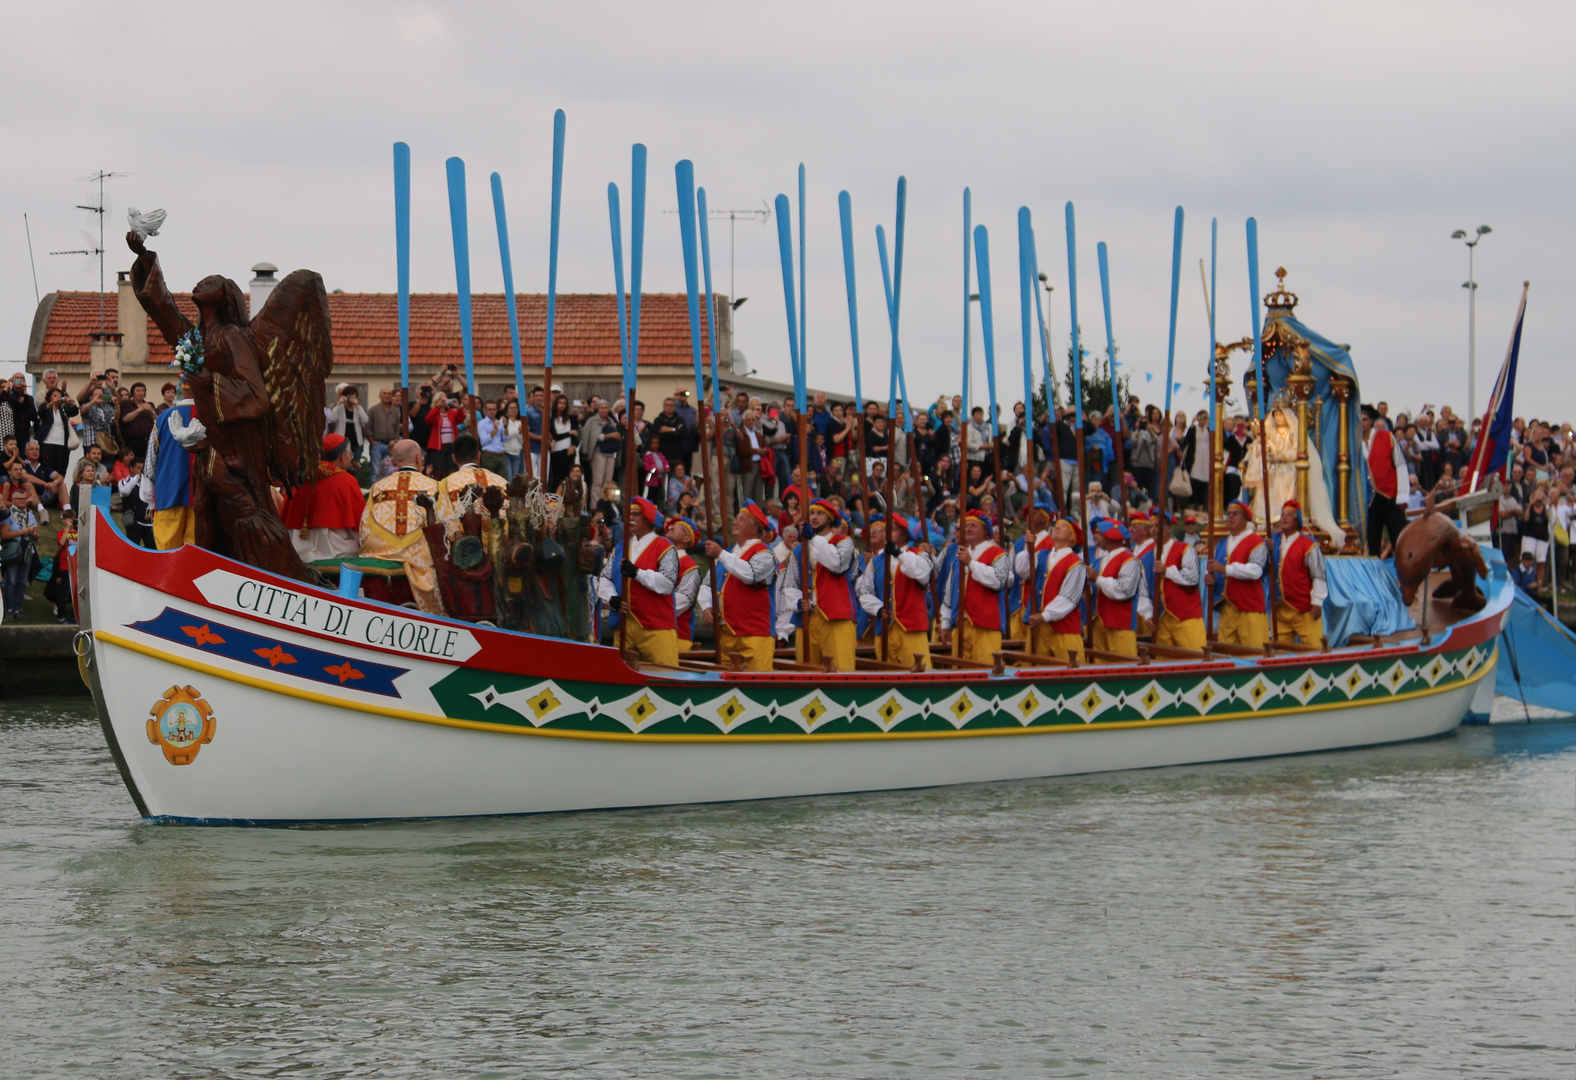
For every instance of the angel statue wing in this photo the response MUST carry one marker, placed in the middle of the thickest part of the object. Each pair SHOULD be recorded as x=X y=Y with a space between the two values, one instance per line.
x=292 y=343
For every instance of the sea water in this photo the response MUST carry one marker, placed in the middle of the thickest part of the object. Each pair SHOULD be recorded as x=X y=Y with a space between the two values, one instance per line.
x=1404 y=911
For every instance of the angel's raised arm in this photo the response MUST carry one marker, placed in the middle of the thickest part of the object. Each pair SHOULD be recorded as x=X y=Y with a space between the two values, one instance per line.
x=147 y=281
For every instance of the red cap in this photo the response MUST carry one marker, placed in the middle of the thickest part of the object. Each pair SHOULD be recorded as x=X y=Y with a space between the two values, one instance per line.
x=333 y=444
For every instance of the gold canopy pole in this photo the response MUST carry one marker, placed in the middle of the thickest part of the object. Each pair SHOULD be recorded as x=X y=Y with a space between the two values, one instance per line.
x=1341 y=389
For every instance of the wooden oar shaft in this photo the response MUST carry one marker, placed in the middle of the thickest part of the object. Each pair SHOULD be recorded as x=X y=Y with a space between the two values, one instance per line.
x=629 y=489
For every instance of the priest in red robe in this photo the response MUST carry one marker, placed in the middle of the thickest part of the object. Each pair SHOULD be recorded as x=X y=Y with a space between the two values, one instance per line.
x=324 y=517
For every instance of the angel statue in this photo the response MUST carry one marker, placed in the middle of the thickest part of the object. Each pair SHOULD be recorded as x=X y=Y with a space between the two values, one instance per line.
x=257 y=386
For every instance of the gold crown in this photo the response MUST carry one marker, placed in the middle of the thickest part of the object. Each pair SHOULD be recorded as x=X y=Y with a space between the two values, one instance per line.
x=1280 y=298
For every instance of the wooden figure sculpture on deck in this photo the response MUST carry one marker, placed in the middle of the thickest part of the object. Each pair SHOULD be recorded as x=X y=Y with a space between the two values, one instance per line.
x=257 y=387
x=1433 y=542
x=464 y=562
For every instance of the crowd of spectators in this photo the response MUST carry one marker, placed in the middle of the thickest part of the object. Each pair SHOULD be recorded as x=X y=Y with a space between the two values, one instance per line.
x=55 y=440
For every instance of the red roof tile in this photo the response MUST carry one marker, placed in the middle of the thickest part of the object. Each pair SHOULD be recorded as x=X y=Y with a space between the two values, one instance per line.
x=366 y=329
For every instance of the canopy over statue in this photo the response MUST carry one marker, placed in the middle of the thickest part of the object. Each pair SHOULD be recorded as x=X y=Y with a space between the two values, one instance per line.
x=257 y=387
x=1314 y=372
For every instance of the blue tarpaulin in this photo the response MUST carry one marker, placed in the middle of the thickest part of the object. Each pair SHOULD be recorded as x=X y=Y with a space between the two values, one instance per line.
x=1540 y=653
x=1365 y=598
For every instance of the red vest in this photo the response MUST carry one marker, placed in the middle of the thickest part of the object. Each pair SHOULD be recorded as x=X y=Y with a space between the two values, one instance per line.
x=1296 y=584
x=1072 y=622
x=1245 y=595
x=908 y=602
x=687 y=623
x=831 y=590
x=1183 y=603
x=1381 y=463
x=746 y=609
x=653 y=611
x=1115 y=614
x=981 y=603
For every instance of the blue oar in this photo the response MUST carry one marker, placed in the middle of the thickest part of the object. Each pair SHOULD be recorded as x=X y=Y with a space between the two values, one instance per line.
x=1112 y=364
x=845 y=215
x=684 y=177
x=504 y=257
x=1261 y=376
x=1078 y=392
x=548 y=406
x=963 y=418
x=462 y=273
x=1171 y=352
x=402 y=262
x=1025 y=307
x=618 y=285
x=711 y=303
x=988 y=336
x=785 y=254
x=637 y=254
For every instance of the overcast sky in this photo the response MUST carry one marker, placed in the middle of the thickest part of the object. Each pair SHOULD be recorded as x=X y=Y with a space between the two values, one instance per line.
x=1360 y=135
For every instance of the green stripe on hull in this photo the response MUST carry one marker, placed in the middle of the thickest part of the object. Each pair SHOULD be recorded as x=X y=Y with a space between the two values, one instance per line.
x=708 y=709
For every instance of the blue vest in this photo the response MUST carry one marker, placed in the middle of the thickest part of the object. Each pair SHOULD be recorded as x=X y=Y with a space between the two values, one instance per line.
x=172 y=470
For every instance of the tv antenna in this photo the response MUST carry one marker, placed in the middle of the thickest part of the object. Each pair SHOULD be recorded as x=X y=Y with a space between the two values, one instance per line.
x=763 y=214
x=94 y=249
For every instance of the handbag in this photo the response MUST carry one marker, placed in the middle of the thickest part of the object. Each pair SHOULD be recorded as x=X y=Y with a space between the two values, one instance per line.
x=106 y=442
x=11 y=551
x=1179 y=484
x=73 y=437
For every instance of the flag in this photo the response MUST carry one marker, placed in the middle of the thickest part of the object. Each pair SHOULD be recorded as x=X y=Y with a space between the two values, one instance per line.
x=1493 y=446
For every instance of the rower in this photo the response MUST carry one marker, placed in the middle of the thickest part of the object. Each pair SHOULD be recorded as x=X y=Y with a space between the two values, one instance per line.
x=1299 y=613
x=1181 y=622
x=1027 y=554
x=641 y=587
x=905 y=618
x=1057 y=624
x=977 y=594
x=1239 y=559
x=744 y=620
x=1030 y=553
x=865 y=622
x=1143 y=529
x=826 y=615
x=681 y=533
x=1121 y=599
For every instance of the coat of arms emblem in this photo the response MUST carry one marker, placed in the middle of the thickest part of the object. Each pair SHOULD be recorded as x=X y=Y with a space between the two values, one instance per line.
x=180 y=724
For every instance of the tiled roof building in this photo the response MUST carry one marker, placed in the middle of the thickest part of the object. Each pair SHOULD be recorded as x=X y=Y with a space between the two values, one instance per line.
x=66 y=336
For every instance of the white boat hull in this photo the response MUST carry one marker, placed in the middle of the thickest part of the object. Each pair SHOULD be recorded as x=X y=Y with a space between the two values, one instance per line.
x=228 y=696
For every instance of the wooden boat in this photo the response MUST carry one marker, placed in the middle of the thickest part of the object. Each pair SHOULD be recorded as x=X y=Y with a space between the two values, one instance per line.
x=228 y=695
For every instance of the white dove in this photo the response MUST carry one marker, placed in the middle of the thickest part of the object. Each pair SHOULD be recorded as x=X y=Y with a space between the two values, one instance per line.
x=144 y=225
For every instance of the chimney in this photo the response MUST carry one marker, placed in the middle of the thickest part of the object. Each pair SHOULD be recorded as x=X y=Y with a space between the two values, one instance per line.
x=132 y=321
x=263 y=283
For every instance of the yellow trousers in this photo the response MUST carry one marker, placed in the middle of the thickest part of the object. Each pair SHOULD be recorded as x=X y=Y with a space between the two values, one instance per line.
x=1304 y=626
x=1243 y=627
x=907 y=645
x=1047 y=642
x=971 y=642
x=684 y=646
x=1181 y=633
x=1105 y=639
x=1017 y=629
x=652 y=646
x=758 y=652
x=174 y=527
x=829 y=637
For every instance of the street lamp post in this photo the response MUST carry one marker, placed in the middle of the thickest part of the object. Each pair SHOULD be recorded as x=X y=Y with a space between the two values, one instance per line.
x=1470 y=285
